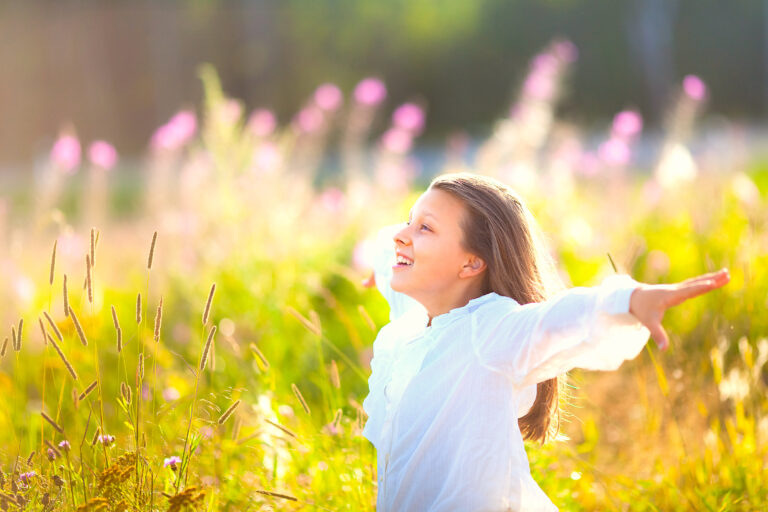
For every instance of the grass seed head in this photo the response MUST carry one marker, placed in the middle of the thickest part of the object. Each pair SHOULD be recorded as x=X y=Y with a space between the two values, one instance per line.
x=158 y=320
x=87 y=391
x=93 y=246
x=277 y=495
x=140 y=369
x=64 y=359
x=204 y=358
x=88 y=279
x=138 y=308
x=66 y=296
x=18 y=334
x=78 y=327
x=359 y=419
x=335 y=375
x=42 y=329
x=366 y=317
x=311 y=326
x=261 y=357
x=208 y=304
x=53 y=262
x=300 y=397
x=53 y=326
x=284 y=429
x=151 y=251
x=4 y=348
x=224 y=417
x=52 y=422
x=114 y=319
x=125 y=390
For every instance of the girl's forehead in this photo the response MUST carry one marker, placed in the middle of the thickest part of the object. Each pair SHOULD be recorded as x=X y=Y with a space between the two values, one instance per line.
x=438 y=204
x=436 y=199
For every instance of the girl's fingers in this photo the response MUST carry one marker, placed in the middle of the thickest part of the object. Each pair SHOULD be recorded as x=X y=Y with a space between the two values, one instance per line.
x=369 y=281
x=721 y=274
x=659 y=335
x=651 y=302
x=692 y=289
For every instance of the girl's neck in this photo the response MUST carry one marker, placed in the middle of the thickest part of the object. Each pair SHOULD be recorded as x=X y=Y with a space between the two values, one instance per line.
x=447 y=301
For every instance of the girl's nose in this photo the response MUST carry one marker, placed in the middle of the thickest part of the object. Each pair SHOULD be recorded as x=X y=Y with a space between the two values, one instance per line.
x=401 y=237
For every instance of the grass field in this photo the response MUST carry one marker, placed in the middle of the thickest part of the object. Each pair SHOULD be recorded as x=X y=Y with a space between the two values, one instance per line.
x=230 y=373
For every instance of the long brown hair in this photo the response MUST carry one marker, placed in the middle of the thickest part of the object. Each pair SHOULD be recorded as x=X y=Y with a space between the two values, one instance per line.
x=501 y=230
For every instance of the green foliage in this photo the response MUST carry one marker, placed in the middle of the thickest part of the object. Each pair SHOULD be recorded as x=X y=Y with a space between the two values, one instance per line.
x=682 y=430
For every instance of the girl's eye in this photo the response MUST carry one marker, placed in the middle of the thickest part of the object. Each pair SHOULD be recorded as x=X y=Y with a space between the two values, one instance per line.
x=423 y=226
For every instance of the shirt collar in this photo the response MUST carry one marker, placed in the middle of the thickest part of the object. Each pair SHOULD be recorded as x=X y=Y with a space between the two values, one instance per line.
x=456 y=313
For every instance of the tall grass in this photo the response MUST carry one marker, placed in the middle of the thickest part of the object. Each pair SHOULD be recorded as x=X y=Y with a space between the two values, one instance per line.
x=260 y=401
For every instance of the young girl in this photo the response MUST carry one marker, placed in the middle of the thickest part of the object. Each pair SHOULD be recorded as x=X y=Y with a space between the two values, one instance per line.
x=480 y=330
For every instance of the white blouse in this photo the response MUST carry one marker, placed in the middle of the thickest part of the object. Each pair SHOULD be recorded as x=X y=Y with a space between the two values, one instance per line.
x=445 y=399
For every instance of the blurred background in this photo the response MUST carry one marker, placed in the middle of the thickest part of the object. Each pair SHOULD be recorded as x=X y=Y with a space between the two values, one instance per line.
x=117 y=70
x=260 y=146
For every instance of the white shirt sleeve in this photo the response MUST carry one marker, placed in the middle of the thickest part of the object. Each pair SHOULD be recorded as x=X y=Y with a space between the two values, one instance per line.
x=583 y=327
x=383 y=259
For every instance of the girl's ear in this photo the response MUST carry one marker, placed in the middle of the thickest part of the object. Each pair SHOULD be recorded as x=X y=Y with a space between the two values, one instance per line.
x=472 y=267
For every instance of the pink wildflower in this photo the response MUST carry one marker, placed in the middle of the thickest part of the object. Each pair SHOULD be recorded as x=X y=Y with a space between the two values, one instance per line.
x=539 y=85
x=328 y=97
x=176 y=132
x=26 y=477
x=566 y=50
x=409 y=117
x=66 y=153
x=397 y=141
x=267 y=157
x=172 y=462
x=102 y=154
x=614 y=151
x=545 y=63
x=262 y=122
x=106 y=439
x=170 y=394
x=332 y=199
x=370 y=91
x=627 y=124
x=694 y=87
x=309 y=119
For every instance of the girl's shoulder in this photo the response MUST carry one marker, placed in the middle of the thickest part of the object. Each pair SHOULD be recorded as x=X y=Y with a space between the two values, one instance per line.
x=405 y=326
x=493 y=304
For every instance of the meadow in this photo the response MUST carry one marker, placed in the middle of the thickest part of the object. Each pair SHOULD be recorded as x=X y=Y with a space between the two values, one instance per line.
x=219 y=278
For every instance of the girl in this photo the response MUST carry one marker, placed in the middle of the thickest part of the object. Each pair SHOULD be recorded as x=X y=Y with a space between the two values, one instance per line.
x=480 y=330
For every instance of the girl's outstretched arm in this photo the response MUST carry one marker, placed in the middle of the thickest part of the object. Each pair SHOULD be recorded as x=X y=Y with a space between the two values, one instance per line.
x=596 y=328
x=649 y=301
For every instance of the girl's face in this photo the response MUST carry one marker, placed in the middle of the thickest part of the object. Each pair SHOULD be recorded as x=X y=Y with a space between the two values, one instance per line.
x=431 y=261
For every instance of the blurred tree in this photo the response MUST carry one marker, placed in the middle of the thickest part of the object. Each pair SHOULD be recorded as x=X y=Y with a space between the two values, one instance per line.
x=117 y=70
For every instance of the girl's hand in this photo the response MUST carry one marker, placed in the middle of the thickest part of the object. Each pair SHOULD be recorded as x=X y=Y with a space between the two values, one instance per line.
x=649 y=301
x=369 y=281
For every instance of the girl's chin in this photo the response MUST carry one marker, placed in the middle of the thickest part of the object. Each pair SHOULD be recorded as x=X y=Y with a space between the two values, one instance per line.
x=398 y=286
